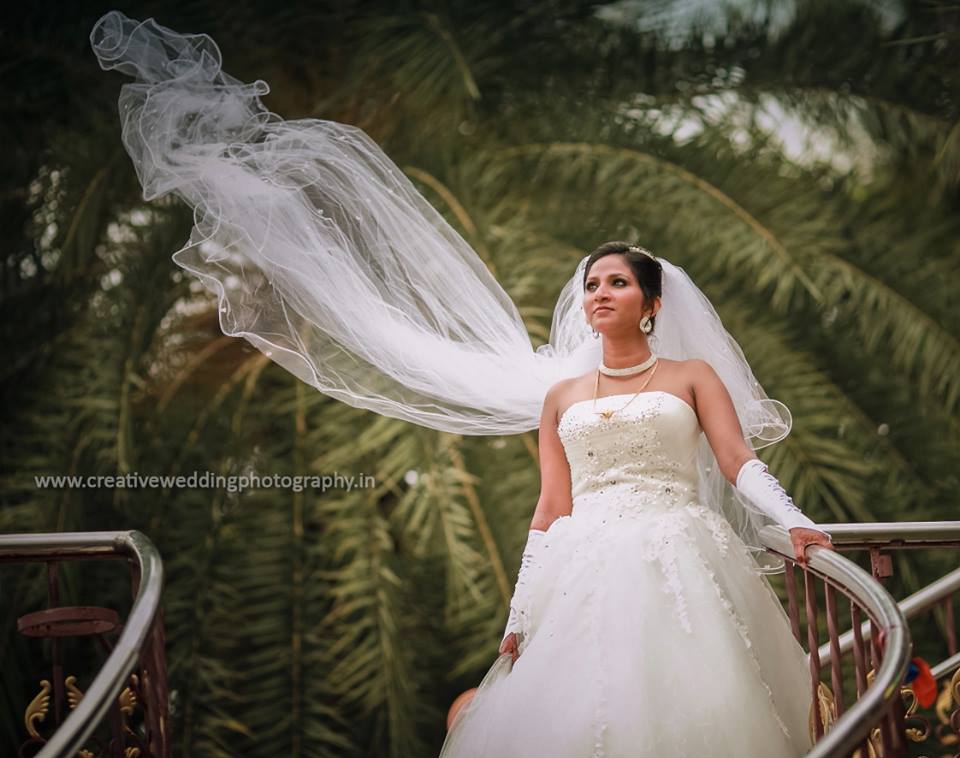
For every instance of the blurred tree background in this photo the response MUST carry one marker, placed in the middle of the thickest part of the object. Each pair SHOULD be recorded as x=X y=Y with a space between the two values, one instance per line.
x=800 y=160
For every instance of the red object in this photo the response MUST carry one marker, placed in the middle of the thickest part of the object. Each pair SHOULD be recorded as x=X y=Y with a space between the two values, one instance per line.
x=924 y=686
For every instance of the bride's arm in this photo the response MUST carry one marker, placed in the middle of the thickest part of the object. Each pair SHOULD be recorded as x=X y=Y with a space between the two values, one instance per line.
x=718 y=419
x=555 y=500
x=555 y=488
x=739 y=464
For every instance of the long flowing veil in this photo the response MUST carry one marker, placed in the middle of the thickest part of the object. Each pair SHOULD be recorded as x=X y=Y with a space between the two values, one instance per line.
x=326 y=258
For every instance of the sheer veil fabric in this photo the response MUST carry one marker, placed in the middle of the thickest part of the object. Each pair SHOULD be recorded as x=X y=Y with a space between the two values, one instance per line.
x=325 y=257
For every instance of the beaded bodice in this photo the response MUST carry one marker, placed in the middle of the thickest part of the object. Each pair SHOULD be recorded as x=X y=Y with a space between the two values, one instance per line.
x=642 y=458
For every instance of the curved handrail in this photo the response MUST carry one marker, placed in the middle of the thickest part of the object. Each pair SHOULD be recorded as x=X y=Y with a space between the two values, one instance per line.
x=91 y=710
x=907 y=534
x=855 y=724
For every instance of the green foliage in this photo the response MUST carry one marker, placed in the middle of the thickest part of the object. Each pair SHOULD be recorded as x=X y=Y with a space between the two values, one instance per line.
x=331 y=623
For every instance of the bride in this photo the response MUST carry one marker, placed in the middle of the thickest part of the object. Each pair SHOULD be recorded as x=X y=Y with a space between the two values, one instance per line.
x=646 y=630
x=641 y=623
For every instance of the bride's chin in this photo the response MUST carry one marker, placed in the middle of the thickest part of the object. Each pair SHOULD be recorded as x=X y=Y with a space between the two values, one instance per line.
x=610 y=325
x=605 y=320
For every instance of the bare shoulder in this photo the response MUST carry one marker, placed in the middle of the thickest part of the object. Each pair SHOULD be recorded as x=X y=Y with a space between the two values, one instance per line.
x=566 y=391
x=695 y=369
x=564 y=388
x=704 y=381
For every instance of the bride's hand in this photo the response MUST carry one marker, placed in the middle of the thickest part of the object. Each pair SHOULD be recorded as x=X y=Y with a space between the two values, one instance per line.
x=802 y=538
x=509 y=645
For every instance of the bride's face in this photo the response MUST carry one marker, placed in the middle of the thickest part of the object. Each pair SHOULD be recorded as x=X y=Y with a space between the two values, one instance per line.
x=612 y=298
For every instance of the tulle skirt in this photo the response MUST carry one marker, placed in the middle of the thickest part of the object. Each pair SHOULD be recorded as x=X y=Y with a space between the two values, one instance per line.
x=652 y=634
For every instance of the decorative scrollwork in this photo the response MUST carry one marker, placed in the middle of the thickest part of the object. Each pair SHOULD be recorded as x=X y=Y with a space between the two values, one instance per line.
x=39 y=707
x=948 y=712
x=874 y=739
x=916 y=728
x=827 y=705
x=872 y=743
x=37 y=710
x=128 y=701
x=74 y=693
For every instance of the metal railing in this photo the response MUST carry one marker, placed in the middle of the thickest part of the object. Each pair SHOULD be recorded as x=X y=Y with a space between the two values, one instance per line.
x=876 y=702
x=878 y=640
x=880 y=540
x=923 y=600
x=909 y=535
x=70 y=737
x=896 y=534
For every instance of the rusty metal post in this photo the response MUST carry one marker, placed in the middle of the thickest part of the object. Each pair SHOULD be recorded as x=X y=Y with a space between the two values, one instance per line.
x=153 y=668
x=836 y=670
x=948 y=619
x=793 y=610
x=881 y=564
x=53 y=601
x=859 y=657
x=813 y=643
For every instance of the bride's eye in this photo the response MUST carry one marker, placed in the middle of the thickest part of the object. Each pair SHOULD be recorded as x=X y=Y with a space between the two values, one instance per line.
x=591 y=286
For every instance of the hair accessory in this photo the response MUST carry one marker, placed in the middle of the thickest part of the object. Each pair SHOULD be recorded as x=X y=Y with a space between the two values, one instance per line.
x=638 y=249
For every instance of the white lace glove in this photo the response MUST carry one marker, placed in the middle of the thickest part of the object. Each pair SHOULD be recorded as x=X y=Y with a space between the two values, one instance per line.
x=530 y=565
x=762 y=488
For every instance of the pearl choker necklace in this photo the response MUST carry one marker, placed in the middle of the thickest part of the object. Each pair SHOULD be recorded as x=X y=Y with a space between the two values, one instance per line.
x=629 y=369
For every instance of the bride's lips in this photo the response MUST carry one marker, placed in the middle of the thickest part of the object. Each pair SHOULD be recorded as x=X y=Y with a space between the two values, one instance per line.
x=602 y=308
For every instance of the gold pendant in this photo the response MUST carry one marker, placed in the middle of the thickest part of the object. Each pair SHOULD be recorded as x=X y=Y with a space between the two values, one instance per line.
x=606 y=414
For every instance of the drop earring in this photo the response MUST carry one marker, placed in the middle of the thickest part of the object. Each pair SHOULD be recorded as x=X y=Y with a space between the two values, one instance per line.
x=645 y=325
x=596 y=334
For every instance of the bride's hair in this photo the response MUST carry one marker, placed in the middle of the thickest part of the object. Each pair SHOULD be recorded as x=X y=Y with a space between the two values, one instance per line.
x=646 y=269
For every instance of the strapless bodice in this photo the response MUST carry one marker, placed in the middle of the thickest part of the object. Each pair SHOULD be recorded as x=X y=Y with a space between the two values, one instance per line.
x=642 y=458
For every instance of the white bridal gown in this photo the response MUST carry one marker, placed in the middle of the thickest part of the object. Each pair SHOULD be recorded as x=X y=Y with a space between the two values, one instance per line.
x=651 y=633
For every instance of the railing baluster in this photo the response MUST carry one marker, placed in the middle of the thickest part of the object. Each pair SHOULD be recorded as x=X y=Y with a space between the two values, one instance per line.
x=154 y=681
x=876 y=657
x=950 y=624
x=836 y=670
x=813 y=644
x=898 y=717
x=53 y=598
x=859 y=662
x=793 y=610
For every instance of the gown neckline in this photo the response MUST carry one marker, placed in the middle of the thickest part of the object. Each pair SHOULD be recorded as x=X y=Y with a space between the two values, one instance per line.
x=631 y=394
